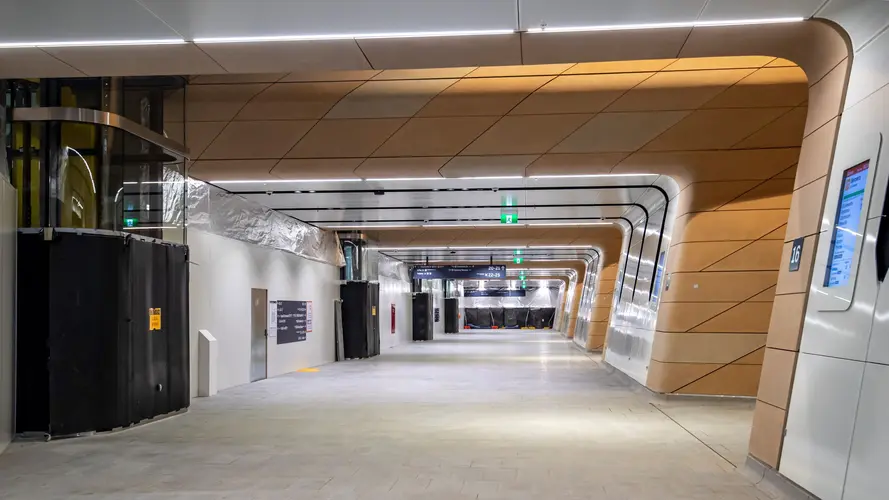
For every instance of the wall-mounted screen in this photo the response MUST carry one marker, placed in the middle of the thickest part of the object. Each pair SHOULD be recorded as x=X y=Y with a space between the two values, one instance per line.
x=847 y=224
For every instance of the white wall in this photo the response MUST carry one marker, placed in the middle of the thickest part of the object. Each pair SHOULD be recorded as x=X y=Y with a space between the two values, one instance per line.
x=837 y=443
x=397 y=292
x=223 y=271
x=8 y=225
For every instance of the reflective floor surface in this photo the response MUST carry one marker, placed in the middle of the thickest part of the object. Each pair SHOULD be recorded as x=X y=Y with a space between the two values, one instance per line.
x=488 y=415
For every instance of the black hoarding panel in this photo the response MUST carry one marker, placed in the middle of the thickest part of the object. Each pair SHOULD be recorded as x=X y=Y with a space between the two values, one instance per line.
x=523 y=314
x=510 y=318
x=421 y=316
x=104 y=364
x=484 y=318
x=470 y=317
x=374 y=339
x=32 y=345
x=496 y=317
x=452 y=319
x=542 y=318
x=177 y=331
x=86 y=316
x=359 y=316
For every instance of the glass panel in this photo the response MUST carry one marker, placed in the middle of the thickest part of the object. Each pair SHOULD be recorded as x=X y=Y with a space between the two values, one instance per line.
x=25 y=141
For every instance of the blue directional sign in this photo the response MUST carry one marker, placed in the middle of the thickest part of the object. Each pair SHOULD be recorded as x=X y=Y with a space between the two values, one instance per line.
x=458 y=272
x=494 y=293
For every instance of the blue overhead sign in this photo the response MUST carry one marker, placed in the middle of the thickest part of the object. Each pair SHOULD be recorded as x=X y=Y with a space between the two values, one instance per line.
x=494 y=293
x=458 y=272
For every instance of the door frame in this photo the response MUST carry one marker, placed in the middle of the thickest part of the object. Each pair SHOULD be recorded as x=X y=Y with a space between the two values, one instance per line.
x=261 y=295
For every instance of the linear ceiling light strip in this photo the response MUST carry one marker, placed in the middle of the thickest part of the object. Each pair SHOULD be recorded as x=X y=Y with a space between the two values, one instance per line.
x=651 y=26
x=396 y=35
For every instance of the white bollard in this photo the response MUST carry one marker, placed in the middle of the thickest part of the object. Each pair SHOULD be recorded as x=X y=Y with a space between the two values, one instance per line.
x=208 y=352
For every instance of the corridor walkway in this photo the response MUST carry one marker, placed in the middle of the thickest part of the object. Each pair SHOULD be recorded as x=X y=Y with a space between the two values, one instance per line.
x=517 y=415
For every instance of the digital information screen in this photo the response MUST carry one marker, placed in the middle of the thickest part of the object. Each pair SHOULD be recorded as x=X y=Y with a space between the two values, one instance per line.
x=846 y=226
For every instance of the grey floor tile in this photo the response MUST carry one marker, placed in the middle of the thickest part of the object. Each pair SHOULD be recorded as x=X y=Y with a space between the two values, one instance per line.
x=485 y=415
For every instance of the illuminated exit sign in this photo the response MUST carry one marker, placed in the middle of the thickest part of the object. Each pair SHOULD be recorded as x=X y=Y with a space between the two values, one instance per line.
x=509 y=218
x=518 y=260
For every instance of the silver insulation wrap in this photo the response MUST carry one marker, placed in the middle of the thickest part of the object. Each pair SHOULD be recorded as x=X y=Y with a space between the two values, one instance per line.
x=217 y=211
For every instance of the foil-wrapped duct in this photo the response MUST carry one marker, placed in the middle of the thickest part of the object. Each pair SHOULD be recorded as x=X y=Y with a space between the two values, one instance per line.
x=214 y=210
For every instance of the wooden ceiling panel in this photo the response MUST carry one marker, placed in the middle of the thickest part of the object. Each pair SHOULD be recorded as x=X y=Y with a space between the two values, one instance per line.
x=422 y=74
x=295 y=101
x=426 y=166
x=767 y=87
x=316 y=168
x=714 y=129
x=473 y=166
x=532 y=134
x=638 y=66
x=579 y=93
x=698 y=63
x=573 y=164
x=207 y=103
x=520 y=70
x=33 y=63
x=200 y=134
x=435 y=136
x=619 y=132
x=678 y=90
x=257 y=139
x=345 y=138
x=785 y=132
x=388 y=98
x=215 y=170
x=483 y=96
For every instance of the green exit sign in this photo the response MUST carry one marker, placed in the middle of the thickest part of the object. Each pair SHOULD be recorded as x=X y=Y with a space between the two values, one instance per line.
x=517 y=260
x=524 y=285
x=509 y=218
x=130 y=221
x=522 y=277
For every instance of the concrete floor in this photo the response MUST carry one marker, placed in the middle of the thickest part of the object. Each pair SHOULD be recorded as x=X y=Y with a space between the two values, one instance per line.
x=508 y=415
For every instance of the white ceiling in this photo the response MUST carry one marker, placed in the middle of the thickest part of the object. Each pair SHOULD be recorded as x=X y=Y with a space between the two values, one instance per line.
x=80 y=20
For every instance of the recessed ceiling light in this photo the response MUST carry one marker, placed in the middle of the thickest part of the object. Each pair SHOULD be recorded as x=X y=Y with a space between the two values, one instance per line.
x=589 y=176
x=368 y=226
x=90 y=43
x=279 y=181
x=490 y=178
x=352 y=36
x=570 y=224
x=649 y=26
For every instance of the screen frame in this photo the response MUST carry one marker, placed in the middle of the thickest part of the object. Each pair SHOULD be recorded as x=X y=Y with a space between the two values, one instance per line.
x=840 y=298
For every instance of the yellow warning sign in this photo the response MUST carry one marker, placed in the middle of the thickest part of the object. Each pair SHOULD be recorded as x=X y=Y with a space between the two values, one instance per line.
x=154 y=318
x=373 y=310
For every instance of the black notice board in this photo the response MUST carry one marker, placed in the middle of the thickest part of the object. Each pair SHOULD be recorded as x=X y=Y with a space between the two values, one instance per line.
x=294 y=320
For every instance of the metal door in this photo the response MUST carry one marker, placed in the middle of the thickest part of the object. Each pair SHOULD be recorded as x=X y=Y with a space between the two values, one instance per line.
x=259 y=309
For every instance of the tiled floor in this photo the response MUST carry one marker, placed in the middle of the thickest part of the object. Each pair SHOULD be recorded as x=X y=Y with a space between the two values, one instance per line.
x=487 y=416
